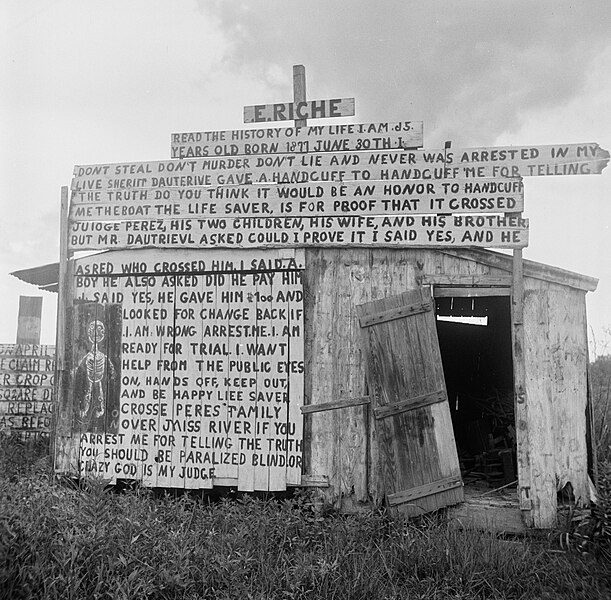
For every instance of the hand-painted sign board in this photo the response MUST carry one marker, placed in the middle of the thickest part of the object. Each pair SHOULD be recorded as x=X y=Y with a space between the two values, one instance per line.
x=27 y=381
x=289 y=111
x=279 y=140
x=206 y=354
x=524 y=161
x=492 y=231
x=322 y=199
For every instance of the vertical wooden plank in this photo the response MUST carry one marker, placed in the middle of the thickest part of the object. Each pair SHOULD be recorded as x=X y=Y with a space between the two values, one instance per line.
x=355 y=431
x=242 y=287
x=165 y=442
x=266 y=303
x=28 y=320
x=295 y=386
x=590 y=434
x=178 y=480
x=540 y=417
x=569 y=364
x=520 y=392
x=299 y=90
x=320 y=291
x=155 y=394
x=64 y=450
x=246 y=470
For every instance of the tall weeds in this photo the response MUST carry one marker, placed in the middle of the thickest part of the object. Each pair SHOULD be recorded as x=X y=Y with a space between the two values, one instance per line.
x=600 y=373
x=62 y=543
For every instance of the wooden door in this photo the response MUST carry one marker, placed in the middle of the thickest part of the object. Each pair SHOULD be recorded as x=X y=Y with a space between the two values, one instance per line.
x=416 y=450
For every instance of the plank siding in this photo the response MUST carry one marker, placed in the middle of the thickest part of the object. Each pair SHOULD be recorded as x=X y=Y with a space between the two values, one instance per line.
x=556 y=380
x=340 y=445
x=343 y=444
x=568 y=347
x=539 y=415
x=338 y=442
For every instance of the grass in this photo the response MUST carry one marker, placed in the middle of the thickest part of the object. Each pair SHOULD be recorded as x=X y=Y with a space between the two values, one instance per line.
x=600 y=374
x=66 y=543
x=58 y=542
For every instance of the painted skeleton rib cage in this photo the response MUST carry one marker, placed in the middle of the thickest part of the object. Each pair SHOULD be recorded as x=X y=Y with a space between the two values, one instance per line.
x=265 y=314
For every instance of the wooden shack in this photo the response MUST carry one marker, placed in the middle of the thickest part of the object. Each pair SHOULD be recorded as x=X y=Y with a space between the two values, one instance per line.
x=318 y=307
x=350 y=452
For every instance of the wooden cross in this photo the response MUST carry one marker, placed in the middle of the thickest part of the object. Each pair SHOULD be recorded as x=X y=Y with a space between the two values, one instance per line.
x=300 y=109
x=299 y=90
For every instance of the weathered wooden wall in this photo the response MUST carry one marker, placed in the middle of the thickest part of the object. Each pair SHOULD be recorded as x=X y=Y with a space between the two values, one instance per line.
x=341 y=444
x=185 y=369
x=556 y=389
x=337 y=443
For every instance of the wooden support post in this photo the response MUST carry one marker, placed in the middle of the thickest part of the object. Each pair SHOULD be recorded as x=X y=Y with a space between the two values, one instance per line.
x=592 y=458
x=519 y=378
x=28 y=322
x=63 y=289
x=299 y=90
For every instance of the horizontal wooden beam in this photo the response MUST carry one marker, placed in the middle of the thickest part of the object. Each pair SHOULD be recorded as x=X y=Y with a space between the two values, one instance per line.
x=381 y=412
x=395 y=313
x=343 y=403
x=470 y=292
x=442 y=485
x=531 y=268
x=291 y=167
x=489 y=231
x=467 y=280
x=321 y=481
x=314 y=199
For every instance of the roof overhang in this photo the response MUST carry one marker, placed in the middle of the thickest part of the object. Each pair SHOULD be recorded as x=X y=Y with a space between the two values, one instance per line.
x=46 y=276
x=535 y=270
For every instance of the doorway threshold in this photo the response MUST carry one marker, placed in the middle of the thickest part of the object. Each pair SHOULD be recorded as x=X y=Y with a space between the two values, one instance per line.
x=491 y=510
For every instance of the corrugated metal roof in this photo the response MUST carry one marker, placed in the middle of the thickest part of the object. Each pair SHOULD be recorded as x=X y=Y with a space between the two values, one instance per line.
x=45 y=277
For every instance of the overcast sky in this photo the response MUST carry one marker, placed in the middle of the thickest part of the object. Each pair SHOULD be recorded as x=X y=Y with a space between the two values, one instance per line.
x=88 y=81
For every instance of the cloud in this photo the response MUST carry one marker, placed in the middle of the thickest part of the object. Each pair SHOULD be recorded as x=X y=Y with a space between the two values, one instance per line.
x=468 y=69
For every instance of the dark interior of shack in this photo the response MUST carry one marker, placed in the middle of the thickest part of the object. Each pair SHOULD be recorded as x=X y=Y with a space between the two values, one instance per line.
x=475 y=343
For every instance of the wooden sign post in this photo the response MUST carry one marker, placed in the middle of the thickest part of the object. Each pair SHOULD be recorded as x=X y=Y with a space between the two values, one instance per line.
x=300 y=109
x=299 y=91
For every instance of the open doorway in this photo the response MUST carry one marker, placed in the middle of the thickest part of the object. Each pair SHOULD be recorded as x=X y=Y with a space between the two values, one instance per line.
x=475 y=342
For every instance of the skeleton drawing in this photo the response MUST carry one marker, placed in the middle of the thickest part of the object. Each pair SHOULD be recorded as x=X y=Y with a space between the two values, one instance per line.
x=95 y=363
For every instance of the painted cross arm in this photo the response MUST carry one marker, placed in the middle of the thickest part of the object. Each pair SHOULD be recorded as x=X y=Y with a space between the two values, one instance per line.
x=527 y=161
